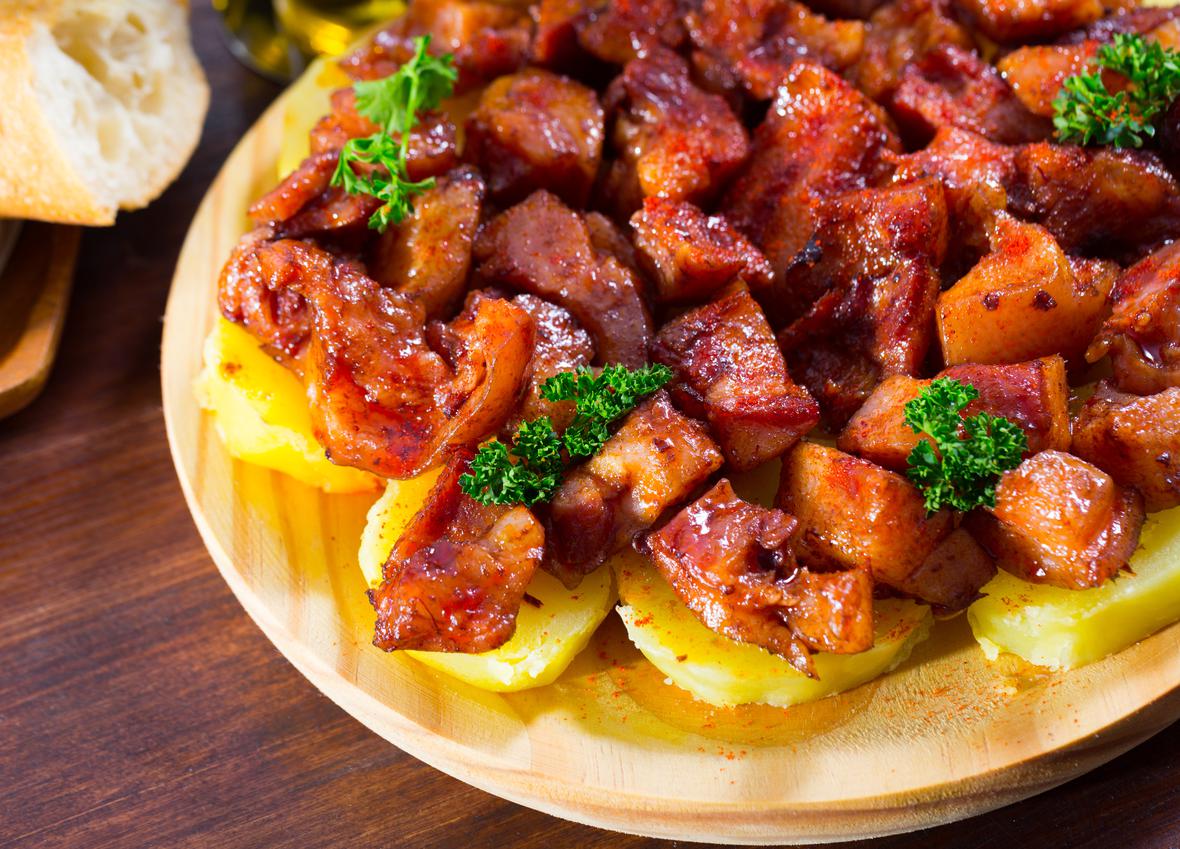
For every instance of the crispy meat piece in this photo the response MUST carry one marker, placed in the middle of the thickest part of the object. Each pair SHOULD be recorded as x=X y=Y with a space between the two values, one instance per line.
x=1135 y=440
x=655 y=461
x=542 y=247
x=1034 y=395
x=821 y=137
x=537 y=130
x=951 y=86
x=953 y=575
x=862 y=9
x=899 y=33
x=555 y=34
x=1037 y=72
x=731 y=563
x=623 y=30
x=1060 y=521
x=690 y=255
x=758 y=41
x=1023 y=300
x=1028 y=20
x=1142 y=335
x=730 y=372
x=673 y=140
x=456 y=577
x=1132 y=19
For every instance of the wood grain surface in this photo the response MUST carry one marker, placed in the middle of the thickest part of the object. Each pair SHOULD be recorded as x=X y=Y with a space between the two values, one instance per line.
x=139 y=706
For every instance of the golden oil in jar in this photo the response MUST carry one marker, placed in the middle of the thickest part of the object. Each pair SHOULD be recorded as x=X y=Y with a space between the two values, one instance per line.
x=329 y=27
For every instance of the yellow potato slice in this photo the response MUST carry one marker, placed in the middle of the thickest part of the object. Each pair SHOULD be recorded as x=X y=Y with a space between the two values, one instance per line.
x=723 y=672
x=308 y=100
x=547 y=637
x=1064 y=629
x=260 y=412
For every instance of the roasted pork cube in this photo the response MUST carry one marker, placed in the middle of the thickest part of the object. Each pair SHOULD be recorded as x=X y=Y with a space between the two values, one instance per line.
x=656 y=460
x=1034 y=395
x=1029 y=20
x=953 y=575
x=1060 y=521
x=1142 y=334
x=730 y=372
x=820 y=137
x=899 y=33
x=857 y=515
x=623 y=30
x=1135 y=439
x=1097 y=201
x=758 y=41
x=536 y=130
x=428 y=256
x=672 y=139
x=455 y=579
x=690 y=255
x=879 y=251
x=1021 y=301
x=252 y=291
x=861 y=9
x=1037 y=72
x=954 y=87
x=731 y=563
x=555 y=34
x=542 y=247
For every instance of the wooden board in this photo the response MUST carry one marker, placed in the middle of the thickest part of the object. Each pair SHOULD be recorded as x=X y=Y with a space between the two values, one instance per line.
x=944 y=737
x=34 y=293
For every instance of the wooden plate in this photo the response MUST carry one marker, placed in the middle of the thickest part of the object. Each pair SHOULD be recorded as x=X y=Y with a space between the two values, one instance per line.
x=610 y=743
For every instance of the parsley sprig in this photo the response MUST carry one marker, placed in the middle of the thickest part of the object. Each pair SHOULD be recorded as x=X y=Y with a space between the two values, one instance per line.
x=394 y=103
x=530 y=470
x=1088 y=113
x=961 y=464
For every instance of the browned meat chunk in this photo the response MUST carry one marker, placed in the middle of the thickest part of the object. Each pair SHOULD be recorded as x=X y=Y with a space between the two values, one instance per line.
x=953 y=575
x=1060 y=521
x=536 y=130
x=846 y=8
x=428 y=256
x=623 y=30
x=690 y=255
x=456 y=577
x=758 y=41
x=880 y=250
x=953 y=87
x=555 y=36
x=655 y=461
x=1037 y=72
x=1135 y=440
x=487 y=39
x=542 y=247
x=731 y=563
x=673 y=140
x=1127 y=18
x=1022 y=301
x=1142 y=335
x=1029 y=20
x=899 y=33
x=1034 y=395
x=730 y=372
x=821 y=137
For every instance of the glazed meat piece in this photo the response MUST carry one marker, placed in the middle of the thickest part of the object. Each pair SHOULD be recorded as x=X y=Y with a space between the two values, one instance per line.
x=253 y=291
x=555 y=34
x=654 y=461
x=1060 y=521
x=1135 y=440
x=1034 y=395
x=730 y=372
x=623 y=30
x=542 y=247
x=731 y=563
x=1036 y=73
x=487 y=39
x=899 y=33
x=456 y=577
x=536 y=130
x=427 y=257
x=1023 y=300
x=820 y=137
x=672 y=139
x=690 y=255
x=951 y=577
x=1142 y=335
x=953 y=87
x=1028 y=20
x=1125 y=18
x=879 y=250
x=1098 y=201
x=758 y=41
x=299 y=188
x=846 y=8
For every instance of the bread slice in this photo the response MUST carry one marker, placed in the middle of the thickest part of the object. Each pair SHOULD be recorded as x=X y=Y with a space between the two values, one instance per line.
x=103 y=102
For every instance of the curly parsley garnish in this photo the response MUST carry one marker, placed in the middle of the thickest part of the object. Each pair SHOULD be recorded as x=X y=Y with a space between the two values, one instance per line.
x=394 y=103
x=1088 y=113
x=530 y=471
x=962 y=464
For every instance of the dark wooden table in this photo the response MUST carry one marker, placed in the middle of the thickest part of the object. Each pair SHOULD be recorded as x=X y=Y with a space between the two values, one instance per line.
x=139 y=706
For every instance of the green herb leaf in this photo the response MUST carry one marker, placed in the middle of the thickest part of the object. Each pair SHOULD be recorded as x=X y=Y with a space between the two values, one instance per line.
x=496 y=478
x=962 y=463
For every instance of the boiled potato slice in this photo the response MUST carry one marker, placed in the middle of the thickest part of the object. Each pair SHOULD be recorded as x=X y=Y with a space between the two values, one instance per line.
x=1063 y=629
x=547 y=637
x=723 y=672
x=260 y=411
